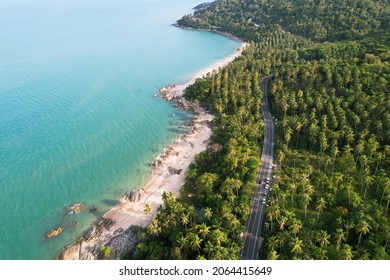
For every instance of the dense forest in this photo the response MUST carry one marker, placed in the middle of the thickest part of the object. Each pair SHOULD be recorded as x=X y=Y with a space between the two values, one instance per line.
x=330 y=97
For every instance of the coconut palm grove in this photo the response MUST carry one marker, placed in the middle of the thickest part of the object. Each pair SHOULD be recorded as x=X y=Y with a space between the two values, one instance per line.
x=330 y=98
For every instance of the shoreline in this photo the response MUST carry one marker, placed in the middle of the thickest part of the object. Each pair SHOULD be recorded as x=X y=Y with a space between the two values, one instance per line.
x=114 y=229
x=174 y=91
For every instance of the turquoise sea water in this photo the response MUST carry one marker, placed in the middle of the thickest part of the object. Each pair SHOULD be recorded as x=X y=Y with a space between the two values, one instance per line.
x=78 y=116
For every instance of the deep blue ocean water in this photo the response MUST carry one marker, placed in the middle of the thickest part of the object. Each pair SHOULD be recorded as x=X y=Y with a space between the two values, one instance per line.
x=78 y=116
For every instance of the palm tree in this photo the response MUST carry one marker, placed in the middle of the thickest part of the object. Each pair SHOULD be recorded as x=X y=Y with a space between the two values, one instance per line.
x=153 y=227
x=272 y=243
x=387 y=239
x=273 y=255
x=347 y=252
x=338 y=178
x=368 y=181
x=306 y=198
x=281 y=157
x=194 y=241
x=321 y=205
x=362 y=228
x=298 y=127
x=230 y=185
x=387 y=197
x=203 y=230
x=208 y=213
x=233 y=222
x=218 y=237
x=323 y=238
x=185 y=219
x=270 y=217
x=349 y=191
x=282 y=222
x=210 y=250
x=292 y=188
x=386 y=188
x=296 y=246
x=148 y=208
x=295 y=226
x=287 y=136
x=379 y=158
x=335 y=152
x=340 y=237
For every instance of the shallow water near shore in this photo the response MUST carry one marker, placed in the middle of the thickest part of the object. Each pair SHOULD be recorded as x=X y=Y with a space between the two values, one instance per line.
x=78 y=118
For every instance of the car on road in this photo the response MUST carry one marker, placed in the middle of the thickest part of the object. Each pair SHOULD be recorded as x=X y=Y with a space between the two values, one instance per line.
x=264 y=200
x=267 y=181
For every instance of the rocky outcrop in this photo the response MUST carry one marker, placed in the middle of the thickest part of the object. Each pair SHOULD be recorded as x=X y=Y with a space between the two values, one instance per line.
x=120 y=242
x=123 y=242
x=54 y=232
x=135 y=195
x=174 y=171
x=187 y=105
x=160 y=158
x=71 y=252
x=157 y=162
x=81 y=248
x=74 y=208
x=168 y=92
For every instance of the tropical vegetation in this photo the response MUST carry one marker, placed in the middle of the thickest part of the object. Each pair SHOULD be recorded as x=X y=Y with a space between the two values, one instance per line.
x=329 y=96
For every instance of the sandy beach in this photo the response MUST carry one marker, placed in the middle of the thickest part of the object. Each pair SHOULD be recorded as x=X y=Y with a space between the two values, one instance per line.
x=167 y=175
x=178 y=90
x=176 y=157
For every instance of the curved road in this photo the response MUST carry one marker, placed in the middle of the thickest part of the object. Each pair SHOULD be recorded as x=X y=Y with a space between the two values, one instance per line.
x=252 y=239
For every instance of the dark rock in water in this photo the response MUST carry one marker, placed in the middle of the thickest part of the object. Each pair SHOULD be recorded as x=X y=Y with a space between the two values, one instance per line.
x=93 y=208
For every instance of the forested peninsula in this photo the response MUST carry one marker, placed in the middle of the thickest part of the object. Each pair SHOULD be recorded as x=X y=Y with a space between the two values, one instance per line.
x=330 y=99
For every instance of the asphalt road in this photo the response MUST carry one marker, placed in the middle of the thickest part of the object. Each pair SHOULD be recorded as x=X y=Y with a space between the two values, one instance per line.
x=252 y=239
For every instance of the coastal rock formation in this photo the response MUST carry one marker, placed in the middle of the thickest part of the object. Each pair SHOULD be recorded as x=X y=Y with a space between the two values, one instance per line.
x=97 y=230
x=135 y=195
x=120 y=242
x=71 y=252
x=92 y=233
x=174 y=171
x=85 y=253
x=74 y=208
x=157 y=162
x=168 y=92
x=123 y=242
x=187 y=105
x=54 y=232
x=80 y=249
